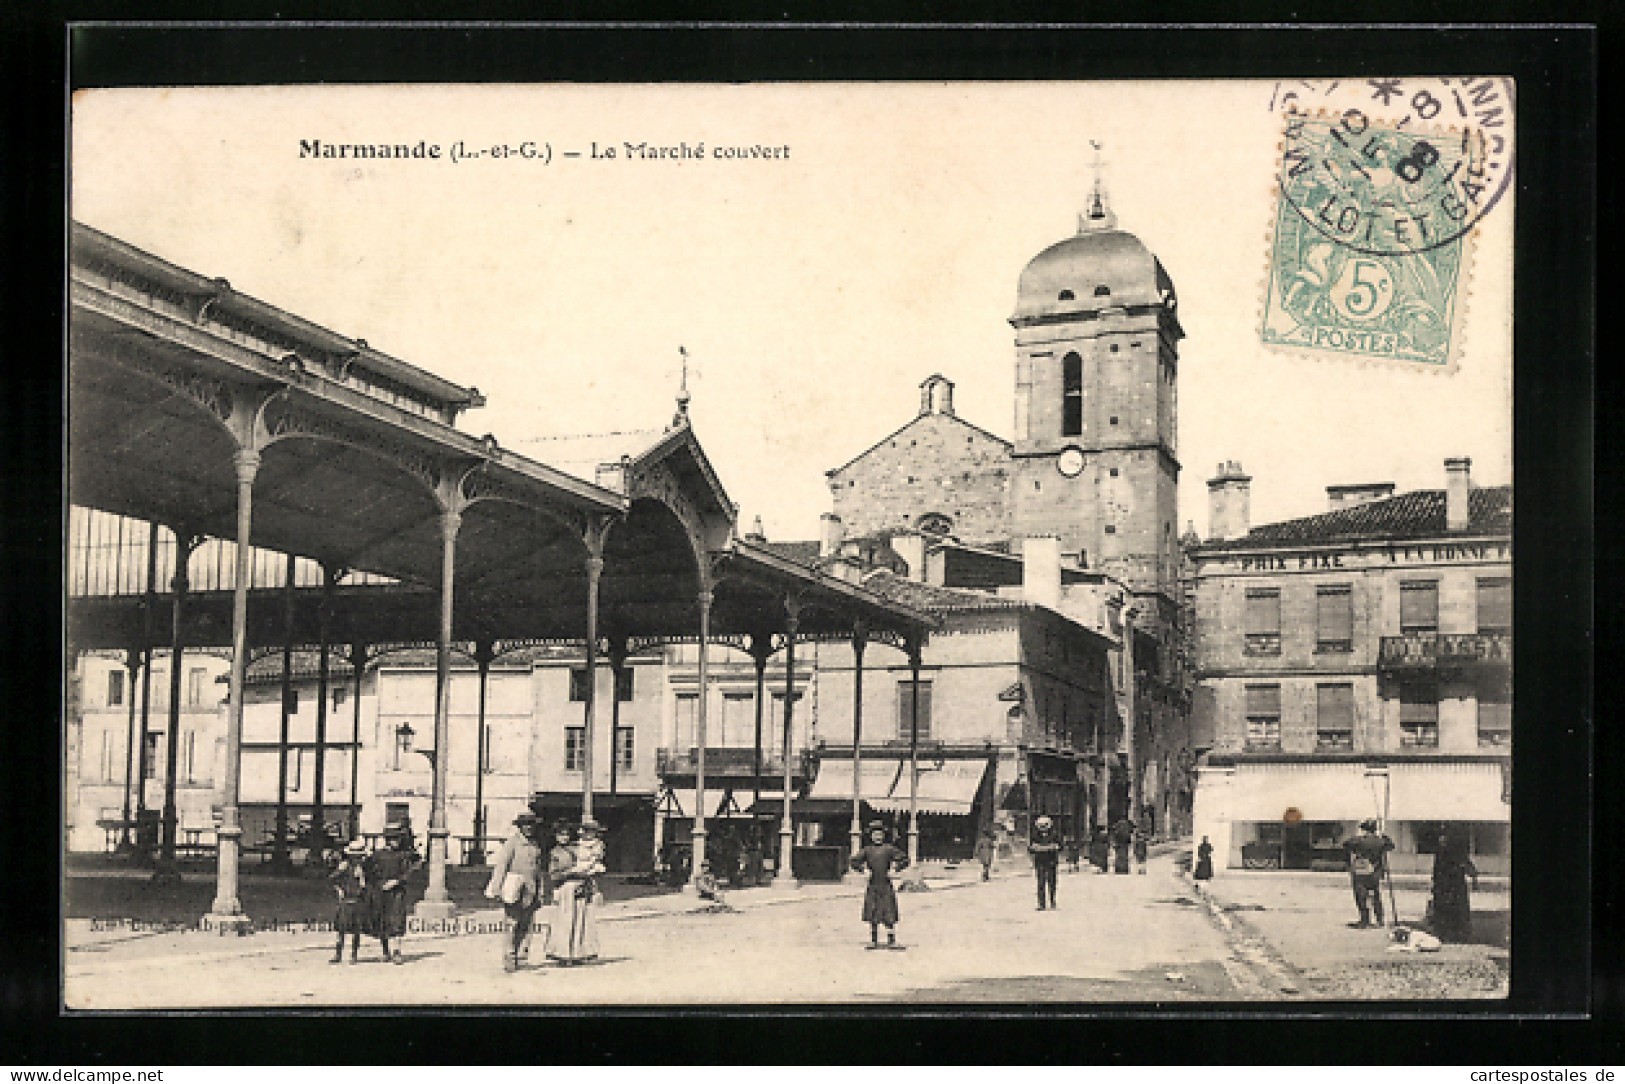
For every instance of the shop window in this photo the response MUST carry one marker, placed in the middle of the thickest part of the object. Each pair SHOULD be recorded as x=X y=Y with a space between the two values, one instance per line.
x=905 y=710
x=1071 y=395
x=578 y=684
x=1419 y=715
x=1263 y=716
x=1334 y=619
x=623 y=684
x=1263 y=628
x=115 y=688
x=575 y=748
x=625 y=748
x=1495 y=605
x=1334 y=717
x=1419 y=606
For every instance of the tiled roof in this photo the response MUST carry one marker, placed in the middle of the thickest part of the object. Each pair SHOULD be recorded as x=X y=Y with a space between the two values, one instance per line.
x=802 y=553
x=1418 y=514
x=933 y=599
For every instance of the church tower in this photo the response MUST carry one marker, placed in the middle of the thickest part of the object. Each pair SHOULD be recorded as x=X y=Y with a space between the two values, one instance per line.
x=1096 y=379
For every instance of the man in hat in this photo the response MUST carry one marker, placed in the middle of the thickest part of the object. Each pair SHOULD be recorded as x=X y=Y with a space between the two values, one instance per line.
x=516 y=879
x=1045 y=847
x=1368 y=858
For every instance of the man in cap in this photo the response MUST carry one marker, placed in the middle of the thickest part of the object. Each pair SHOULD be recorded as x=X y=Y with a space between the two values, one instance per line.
x=1368 y=858
x=1045 y=847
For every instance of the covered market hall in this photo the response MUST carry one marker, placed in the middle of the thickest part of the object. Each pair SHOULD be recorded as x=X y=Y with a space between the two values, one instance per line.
x=231 y=422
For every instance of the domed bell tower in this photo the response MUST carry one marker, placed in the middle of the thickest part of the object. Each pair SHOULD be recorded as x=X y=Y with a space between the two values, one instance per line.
x=1096 y=378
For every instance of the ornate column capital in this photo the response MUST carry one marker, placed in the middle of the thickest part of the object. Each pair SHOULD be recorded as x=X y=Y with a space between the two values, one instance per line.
x=247 y=462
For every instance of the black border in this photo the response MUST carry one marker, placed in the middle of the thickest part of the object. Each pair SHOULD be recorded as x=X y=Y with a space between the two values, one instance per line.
x=1556 y=72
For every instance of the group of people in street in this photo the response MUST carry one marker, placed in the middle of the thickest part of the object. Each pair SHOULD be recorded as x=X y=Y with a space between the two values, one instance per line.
x=565 y=879
x=371 y=890
x=1449 y=911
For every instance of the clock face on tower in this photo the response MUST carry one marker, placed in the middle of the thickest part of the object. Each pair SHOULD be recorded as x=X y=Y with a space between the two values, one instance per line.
x=1070 y=463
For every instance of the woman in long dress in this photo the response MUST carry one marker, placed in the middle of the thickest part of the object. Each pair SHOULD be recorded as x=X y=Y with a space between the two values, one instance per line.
x=573 y=935
x=880 y=898
x=1204 y=861
x=1452 y=902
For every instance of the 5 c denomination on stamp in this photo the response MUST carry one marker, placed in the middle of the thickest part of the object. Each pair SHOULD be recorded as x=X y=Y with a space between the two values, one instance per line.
x=1369 y=250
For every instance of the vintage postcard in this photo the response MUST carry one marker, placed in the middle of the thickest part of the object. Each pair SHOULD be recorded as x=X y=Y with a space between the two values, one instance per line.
x=790 y=544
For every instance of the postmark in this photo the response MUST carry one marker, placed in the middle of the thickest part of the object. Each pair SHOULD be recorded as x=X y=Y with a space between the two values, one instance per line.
x=1371 y=240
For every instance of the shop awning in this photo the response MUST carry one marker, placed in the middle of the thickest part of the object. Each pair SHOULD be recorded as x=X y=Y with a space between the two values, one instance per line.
x=950 y=789
x=1447 y=792
x=804 y=807
x=1319 y=792
x=835 y=779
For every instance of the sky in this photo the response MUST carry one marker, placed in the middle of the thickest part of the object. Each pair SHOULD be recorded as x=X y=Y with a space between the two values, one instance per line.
x=812 y=290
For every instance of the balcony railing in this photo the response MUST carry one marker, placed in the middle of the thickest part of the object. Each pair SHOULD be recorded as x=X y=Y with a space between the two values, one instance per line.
x=727 y=760
x=1429 y=650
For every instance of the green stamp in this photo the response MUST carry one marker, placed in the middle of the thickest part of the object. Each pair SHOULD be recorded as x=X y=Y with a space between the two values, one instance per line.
x=1371 y=233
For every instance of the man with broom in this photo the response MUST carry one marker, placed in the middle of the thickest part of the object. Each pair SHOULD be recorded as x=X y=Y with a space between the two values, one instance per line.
x=1368 y=859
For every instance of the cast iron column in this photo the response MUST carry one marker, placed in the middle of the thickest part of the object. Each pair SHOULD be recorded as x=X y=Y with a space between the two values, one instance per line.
x=184 y=545
x=617 y=663
x=760 y=648
x=916 y=874
x=358 y=661
x=595 y=571
x=483 y=654
x=436 y=903
x=318 y=812
x=859 y=641
x=132 y=663
x=227 y=912
x=792 y=621
x=279 y=846
x=149 y=606
x=698 y=845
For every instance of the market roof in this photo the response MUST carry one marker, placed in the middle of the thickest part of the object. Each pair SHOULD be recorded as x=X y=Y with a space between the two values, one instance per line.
x=1417 y=514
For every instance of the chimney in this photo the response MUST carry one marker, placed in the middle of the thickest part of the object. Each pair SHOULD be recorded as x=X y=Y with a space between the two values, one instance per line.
x=1457 y=484
x=1347 y=496
x=1227 y=494
x=830 y=534
x=910 y=546
x=1041 y=571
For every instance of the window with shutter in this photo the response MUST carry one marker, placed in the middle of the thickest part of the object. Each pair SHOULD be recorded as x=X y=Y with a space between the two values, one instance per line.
x=1419 y=607
x=1334 y=718
x=1264 y=716
x=905 y=710
x=1334 y=619
x=1495 y=605
x=1419 y=715
x=1263 y=621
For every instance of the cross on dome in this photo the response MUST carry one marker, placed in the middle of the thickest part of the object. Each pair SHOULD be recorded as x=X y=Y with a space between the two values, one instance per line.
x=1099 y=214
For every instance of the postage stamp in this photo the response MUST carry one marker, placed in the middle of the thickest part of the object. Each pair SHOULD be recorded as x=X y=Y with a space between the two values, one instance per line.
x=1370 y=247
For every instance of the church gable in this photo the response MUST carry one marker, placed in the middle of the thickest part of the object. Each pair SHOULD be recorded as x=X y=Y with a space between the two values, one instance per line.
x=937 y=473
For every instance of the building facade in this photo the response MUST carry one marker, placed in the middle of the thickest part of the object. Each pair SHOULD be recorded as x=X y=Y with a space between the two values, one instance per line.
x=1355 y=664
